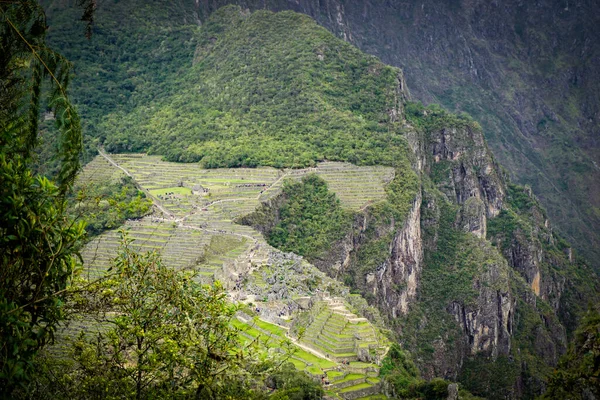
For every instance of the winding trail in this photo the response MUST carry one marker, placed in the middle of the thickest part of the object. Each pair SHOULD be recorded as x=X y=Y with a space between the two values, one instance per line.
x=137 y=185
x=284 y=175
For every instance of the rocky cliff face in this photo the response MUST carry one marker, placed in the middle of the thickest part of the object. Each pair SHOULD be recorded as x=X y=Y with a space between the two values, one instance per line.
x=395 y=281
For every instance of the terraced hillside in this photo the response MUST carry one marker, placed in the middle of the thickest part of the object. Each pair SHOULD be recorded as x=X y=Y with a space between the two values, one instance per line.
x=186 y=187
x=192 y=228
x=340 y=334
x=342 y=378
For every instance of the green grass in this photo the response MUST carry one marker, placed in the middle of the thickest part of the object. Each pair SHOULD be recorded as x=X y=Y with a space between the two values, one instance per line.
x=305 y=355
x=351 y=377
x=356 y=387
x=334 y=374
x=274 y=329
x=315 y=370
x=298 y=364
x=243 y=327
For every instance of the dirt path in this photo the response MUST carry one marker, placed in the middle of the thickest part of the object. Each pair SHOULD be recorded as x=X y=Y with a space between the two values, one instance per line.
x=137 y=185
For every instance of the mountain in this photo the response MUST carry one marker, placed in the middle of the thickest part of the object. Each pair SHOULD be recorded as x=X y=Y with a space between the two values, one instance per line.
x=528 y=72
x=463 y=265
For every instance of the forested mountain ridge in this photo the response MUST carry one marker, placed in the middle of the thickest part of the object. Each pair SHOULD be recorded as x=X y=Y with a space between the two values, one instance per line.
x=464 y=265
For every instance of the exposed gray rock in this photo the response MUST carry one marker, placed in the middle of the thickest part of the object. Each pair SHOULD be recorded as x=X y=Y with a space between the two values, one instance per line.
x=396 y=281
x=452 y=392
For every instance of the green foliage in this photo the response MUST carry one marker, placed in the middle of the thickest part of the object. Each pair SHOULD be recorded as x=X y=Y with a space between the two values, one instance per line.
x=397 y=362
x=310 y=218
x=133 y=48
x=578 y=373
x=291 y=384
x=520 y=198
x=153 y=332
x=107 y=204
x=492 y=380
x=264 y=89
x=434 y=117
x=402 y=190
x=503 y=225
x=403 y=376
x=455 y=263
x=160 y=335
x=38 y=242
x=374 y=252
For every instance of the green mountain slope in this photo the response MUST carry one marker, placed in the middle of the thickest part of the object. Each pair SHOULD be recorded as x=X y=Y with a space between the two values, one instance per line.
x=274 y=79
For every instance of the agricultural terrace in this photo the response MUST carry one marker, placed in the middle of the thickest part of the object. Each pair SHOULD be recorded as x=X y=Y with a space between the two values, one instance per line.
x=185 y=187
x=99 y=169
x=194 y=205
x=343 y=379
x=193 y=228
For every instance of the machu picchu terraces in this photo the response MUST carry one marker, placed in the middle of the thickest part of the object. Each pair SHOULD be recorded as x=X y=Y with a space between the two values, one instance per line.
x=340 y=334
x=193 y=227
x=193 y=204
x=179 y=247
x=347 y=380
x=355 y=186
x=99 y=169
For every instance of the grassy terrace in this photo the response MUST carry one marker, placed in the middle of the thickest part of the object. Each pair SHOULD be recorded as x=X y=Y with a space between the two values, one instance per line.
x=99 y=169
x=355 y=186
x=340 y=334
x=179 y=247
x=202 y=236
x=341 y=379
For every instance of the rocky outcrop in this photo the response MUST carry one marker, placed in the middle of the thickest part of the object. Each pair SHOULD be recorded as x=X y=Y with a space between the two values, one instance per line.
x=470 y=169
x=488 y=324
x=473 y=218
x=530 y=247
x=395 y=282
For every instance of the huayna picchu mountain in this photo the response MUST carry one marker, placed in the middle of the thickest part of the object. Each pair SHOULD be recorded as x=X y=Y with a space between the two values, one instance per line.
x=294 y=137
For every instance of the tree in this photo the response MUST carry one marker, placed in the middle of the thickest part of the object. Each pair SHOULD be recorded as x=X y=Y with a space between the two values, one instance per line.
x=38 y=243
x=294 y=385
x=159 y=334
x=578 y=373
